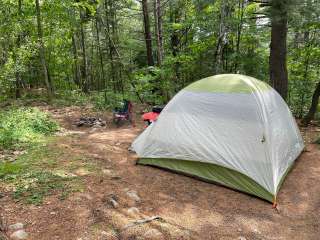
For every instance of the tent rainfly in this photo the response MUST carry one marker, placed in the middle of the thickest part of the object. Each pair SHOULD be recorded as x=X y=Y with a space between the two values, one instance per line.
x=230 y=129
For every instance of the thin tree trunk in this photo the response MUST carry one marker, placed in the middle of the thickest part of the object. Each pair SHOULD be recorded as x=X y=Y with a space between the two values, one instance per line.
x=18 y=75
x=158 y=30
x=314 y=104
x=218 y=56
x=77 y=73
x=102 y=83
x=241 y=9
x=147 y=32
x=42 y=51
x=278 y=48
x=174 y=42
x=115 y=42
x=109 y=42
x=84 y=69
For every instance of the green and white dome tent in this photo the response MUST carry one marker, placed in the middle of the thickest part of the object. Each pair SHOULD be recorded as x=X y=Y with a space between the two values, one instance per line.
x=231 y=129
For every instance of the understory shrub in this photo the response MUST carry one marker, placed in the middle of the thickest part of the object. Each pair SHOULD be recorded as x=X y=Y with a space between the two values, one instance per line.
x=24 y=126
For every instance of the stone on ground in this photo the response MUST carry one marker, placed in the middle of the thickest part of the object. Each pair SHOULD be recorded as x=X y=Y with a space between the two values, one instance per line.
x=133 y=195
x=19 y=235
x=153 y=234
x=16 y=226
x=133 y=211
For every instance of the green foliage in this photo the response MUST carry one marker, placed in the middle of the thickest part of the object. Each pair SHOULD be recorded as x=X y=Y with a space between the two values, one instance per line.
x=9 y=169
x=31 y=186
x=108 y=100
x=24 y=126
x=38 y=173
x=113 y=42
x=34 y=186
x=151 y=84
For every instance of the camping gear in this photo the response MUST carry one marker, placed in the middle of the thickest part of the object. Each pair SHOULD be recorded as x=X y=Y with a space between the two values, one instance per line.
x=123 y=113
x=152 y=116
x=231 y=129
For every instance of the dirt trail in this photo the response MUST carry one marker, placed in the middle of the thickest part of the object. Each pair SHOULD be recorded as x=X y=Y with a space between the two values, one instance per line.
x=188 y=208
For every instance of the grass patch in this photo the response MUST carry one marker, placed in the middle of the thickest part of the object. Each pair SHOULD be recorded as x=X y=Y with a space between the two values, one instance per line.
x=32 y=176
x=35 y=175
x=34 y=186
x=22 y=127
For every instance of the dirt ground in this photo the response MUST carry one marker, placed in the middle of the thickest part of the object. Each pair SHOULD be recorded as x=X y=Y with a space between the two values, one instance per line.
x=182 y=207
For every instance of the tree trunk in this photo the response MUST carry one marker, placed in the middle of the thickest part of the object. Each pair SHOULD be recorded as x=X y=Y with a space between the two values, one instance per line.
x=18 y=75
x=77 y=73
x=314 y=104
x=110 y=46
x=278 y=47
x=42 y=51
x=158 y=30
x=84 y=68
x=175 y=42
x=239 y=31
x=218 y=55
x=102 y=83
x=147 y=32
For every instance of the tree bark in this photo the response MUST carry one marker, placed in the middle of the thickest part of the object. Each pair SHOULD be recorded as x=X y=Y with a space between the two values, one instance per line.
x=314 y=104
x=239 y=31
x=147 y=32
x=18 y=74
x=84 y=68
x=218 y=55
x=100 y=55
x=158 y=30
x=77 y=73
x=175 y=42
x=42 y=51
x=110 y=46
x=278 y=47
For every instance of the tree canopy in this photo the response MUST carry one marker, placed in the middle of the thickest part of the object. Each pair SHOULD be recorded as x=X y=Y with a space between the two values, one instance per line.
x=150 y=49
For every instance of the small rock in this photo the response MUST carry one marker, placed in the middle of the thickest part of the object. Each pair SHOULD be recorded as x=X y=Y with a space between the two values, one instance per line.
x=17 y=152
x=181 y=234
x=19 y=235
x=114 y=203
x=256 y=231
x=133 y=195
x=16 y=226
x=115 y=177
x=239 y=230
x=133 y=211
x=107 y=171
x=153 y=234
x=94 y=129
x=109 y=235
x=82 y=172
x=241 y=238
x=111 y=200
x=53 y=213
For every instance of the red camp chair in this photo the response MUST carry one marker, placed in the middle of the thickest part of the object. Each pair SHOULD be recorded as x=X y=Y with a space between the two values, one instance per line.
x=125 y=113
x=152 y=116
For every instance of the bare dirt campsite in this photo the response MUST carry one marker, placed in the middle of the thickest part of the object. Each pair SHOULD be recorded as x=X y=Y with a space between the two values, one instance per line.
x=159 y=120
x=110 y=197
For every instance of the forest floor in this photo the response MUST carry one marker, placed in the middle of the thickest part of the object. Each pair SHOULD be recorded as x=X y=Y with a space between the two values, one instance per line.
x=112 y=193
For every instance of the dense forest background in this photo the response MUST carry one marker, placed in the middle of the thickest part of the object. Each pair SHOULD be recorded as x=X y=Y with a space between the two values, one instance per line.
x=148 y=50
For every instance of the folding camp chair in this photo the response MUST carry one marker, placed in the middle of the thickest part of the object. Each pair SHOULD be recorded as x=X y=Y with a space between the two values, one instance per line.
x=124 y=113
